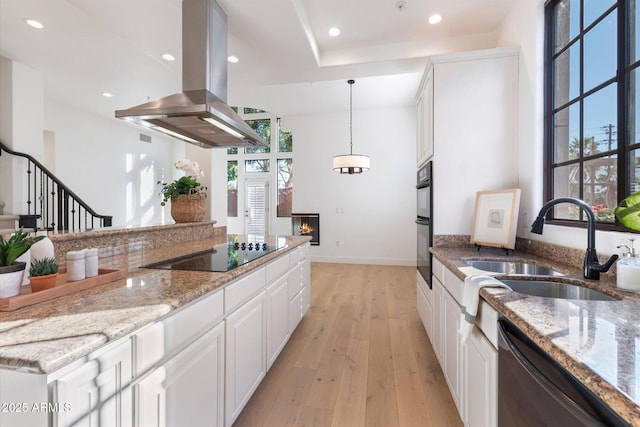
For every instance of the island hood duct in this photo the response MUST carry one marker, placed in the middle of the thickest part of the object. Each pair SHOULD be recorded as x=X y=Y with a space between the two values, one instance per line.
x=199 y=114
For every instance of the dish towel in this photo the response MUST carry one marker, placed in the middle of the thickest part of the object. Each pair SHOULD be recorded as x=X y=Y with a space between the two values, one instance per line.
x=471 y=299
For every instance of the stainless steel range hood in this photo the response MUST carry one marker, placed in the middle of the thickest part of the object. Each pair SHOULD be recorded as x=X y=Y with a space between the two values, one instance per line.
x=199 y=114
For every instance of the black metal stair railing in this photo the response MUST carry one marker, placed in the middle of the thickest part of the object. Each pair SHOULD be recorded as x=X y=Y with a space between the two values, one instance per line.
x=53 y=203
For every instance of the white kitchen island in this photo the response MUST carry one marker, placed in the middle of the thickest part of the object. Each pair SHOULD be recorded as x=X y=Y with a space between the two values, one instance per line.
x=160 y=347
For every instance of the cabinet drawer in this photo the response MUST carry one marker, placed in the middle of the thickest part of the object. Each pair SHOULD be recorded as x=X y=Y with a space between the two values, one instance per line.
x=422 y=285
x=243 y=289
x=487 y=321
x=453 y=284
x=295 y=280
x=277 y=268
x=438 y=270
x=297 y=255
x=163 y=338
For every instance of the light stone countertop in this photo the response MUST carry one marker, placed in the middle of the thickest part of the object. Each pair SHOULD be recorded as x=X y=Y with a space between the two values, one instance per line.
x=47 y=336
x=596 y=341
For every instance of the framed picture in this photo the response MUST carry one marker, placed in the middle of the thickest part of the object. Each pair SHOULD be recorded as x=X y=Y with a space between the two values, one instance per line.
x=495 y=218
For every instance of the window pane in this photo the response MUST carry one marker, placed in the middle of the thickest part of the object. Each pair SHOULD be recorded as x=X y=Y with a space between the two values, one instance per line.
x=248 y=110
x=285 y=140
x=634 y=170
x=566 y=182
x=634 y=32
x=600 y=111
x=261 y=165
x=232 y=150
x=634 y=111
x=600 y=52
x=567 y=22
x=285 y=187
x=566 y=133
x=566 y=74
x=262 y=128
x=600 y=186
x=232 y=188
x=593 y=9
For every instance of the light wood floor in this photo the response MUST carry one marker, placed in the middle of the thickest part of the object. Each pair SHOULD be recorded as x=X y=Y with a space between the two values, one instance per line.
x=360 y=357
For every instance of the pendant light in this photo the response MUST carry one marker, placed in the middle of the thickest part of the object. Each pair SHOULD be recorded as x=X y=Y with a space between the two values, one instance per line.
x=351 y=163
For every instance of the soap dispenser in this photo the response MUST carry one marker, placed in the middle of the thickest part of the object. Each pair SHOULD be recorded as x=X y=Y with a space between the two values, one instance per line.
x=628 y=268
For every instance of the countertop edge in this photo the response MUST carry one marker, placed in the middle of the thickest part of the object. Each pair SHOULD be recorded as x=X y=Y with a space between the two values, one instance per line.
x=92 y=342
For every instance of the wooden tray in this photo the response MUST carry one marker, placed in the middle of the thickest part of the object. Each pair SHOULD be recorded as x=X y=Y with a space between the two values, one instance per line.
x=63 y=287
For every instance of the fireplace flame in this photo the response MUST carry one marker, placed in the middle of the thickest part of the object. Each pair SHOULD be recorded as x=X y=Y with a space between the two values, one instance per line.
x=305 y=229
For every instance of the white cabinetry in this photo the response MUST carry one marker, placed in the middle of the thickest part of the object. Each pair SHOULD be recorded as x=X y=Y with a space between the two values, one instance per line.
x=452 y=347
x=97 y=392
x=471 y=370
x=245 y=355
x=424 y=298
x=474 y=131
x=481 y=374
x=424 y=107
x=179 y=366
x=187 y=390
x=278 y=325
x=446 y=342
x=299 y=286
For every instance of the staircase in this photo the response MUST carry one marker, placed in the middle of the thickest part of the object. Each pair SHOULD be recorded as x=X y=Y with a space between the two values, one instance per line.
x=49 y=204
x=7 y=222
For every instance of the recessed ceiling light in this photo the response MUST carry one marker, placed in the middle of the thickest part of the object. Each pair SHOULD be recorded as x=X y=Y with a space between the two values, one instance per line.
x=434 y=19
x=334 y=31
x=107 y=94
x=35 y=24
x=168 y=57
x=233 y=59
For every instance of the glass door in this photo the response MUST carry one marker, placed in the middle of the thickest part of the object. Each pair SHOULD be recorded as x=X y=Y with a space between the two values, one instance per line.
x=256 y=210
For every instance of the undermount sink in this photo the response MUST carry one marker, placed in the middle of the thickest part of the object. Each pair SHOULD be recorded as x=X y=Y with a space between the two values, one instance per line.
x=513 y=268
x=551 y=289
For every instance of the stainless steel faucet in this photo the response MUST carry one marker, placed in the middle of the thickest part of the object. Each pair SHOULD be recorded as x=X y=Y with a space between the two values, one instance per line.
x=592 y=268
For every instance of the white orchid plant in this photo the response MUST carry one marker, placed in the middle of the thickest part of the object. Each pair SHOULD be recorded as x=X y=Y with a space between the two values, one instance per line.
x=188 y=184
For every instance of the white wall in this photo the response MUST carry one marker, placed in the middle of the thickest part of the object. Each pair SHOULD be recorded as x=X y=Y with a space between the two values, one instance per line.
x=365 y=218
x=105 y=163
x=21 y=117
x=524 y=27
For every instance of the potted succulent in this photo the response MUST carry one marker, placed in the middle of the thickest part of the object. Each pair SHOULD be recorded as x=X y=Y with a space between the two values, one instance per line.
x=11 y=271
x=187 y=194
x=43 y=274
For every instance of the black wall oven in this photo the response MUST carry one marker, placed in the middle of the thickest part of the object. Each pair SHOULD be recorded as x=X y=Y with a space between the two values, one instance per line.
x=424 y=220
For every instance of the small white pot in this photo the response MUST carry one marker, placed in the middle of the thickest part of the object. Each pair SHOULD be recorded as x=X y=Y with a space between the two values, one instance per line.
x=11 y=279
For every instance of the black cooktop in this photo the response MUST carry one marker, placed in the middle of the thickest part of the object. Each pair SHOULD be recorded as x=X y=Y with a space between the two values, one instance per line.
x=220 y=258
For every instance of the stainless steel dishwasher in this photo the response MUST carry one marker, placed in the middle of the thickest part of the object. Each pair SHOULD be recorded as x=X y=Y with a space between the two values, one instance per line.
x=534 y=390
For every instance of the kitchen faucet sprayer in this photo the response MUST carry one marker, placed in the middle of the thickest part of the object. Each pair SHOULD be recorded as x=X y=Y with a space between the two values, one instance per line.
x=592 y=268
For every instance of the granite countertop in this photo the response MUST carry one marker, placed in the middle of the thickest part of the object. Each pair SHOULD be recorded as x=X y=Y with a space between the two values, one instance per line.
x=46 y=336
x=597 y=341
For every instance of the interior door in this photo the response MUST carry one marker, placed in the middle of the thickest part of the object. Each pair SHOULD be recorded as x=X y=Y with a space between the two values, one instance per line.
x=256 y=210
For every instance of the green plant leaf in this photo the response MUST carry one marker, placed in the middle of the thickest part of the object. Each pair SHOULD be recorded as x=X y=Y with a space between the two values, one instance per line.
x=628 y=212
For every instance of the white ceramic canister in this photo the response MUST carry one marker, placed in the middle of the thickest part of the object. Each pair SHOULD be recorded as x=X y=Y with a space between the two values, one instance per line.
x=75 y=266
x=91 y=262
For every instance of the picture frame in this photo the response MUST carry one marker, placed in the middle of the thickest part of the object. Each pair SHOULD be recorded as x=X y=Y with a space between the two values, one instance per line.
x=495 y=218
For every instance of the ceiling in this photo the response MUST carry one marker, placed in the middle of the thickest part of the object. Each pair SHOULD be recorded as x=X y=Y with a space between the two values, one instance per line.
x=288 y=63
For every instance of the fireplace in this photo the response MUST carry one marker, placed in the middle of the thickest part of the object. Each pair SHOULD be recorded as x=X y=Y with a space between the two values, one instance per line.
x=307 y=224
